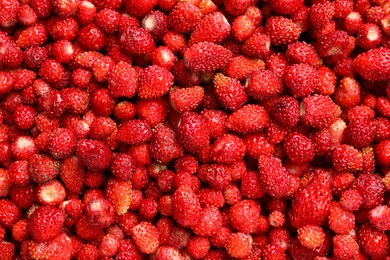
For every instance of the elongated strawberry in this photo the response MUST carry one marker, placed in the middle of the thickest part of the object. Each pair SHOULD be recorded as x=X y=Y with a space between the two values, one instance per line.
x=60 y=247
x=192 y=132
x=186 y=99
x=186 y=206
x=146 y=237
x=229 y=91
x=164 y=145
x=206 y=57
x=315 y=197
x=371 y=65
x=248 y=119
x=154 y=81
x=184 y=17
x=240 y=67
x=273 y=176
x=118 y=192
x=212 y=28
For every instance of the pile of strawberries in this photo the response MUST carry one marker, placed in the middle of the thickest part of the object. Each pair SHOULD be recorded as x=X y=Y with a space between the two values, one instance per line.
x=194 y=129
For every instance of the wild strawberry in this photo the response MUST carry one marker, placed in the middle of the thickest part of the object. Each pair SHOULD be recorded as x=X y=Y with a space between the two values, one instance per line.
x=319 y=111
x=51 y=71
x=64 y=9
x=61 y=143
x=137 y=41
x=368 y=36
x=118 y=192
x=8 y=82
x=276 y=219
x=274 y=177
x=286 y=7
x=24 y=117
x=154 y=81
x=156 y=23
x=381 y=152
x=164 y=145
x=45 y=223
x=86 y=12
x=9 y=213
x=298 y=148
x=42 y=168
x=321 y=13
x=123 y=166
x=345 y=246
x=351 y=200
x=311 y=236
x=333 y=46
x=243 y=27
x=315 y=197
x=32 y=36
x=26 y=15
x=301 y=79
x=212 y=28
x=257 y=45
x=360 y=134
x=59 y=247
x=372 y=242
x=248 y=119
x=184 y=17
x=63 y=29
x=301 y=52
x=352 y=22
x=99 y=212
x=162 y=56
x=134 y=132
x=371 y=188
x=119 y=87
x=340 y=220
x=94 y=154
x=282 y=30
x=279 y=237
x=240 y=67
x=192 y=132
x=239 y=245
x=285 y=111
x=229 y=91
x=198 y=246
x=73 y=210
x=348 y=93
x=186 y=99
x=50 y=193
x=186 y=206
x=227 y=149
x=346 y=158
x=91 y=38
x=174 y=41
x=380 y=217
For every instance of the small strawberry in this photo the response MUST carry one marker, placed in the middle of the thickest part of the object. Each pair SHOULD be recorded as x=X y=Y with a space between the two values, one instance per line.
x=154 y=81
x=369 y=36
x=118 y=192
x=10 y=213
x=8 y=13
x=43 y=168
x=137 y=41
x=50 y=193
x=321 y=14
x=51 y=71
x=45 y=223
x=134 y=132
x=248 y=119
x=91 y=38
x=210 y=221
x=227 y=149
x=243 y=27
x=263 y=84
x=184 y=17
x=239 y=245
x=371 y=188
x=212 y=28
x=164 y=57
x=156 y=23
x=282 y=30
x=301 y=79
x=167 y=252
x=164 y=145
x=298 y=148
x=285 y=111
x=373 y=242
x=240 y=67
x=340 y=220
x=345 y=247
x=257 y=144
x=380 y=217
x=244 y=216
x=94 y=154
x=186 y=206
x=117 y=86
x=360 y=134
x=32 y=36
x=258 y=45
x=382 y=153
x=333 y=46
x=273 y=176
x=60 y=247
x=319 y=111
x=206 y=57
x=346 y=158
x=301 y=52
x=229 y=91
x=351 y=200
x=198 y=247
x=186 y=99
x=286 y=7
x=192 y=132
x=311 y=236
x=315 y=197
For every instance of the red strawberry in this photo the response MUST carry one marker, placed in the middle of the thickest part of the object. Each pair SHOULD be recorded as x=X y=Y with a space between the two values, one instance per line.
x=212 y=28
x=368 y=36
x=380 y=217
x=382 y=152
x=248 y=119
x=263 y=84
x=285 y=111
x=164 y=145
x=168 y=252
x=134 y=132
x=210 y=221
x=333 y=46
x=315 y=197
x=286 y=7
x=239 y=245
x=192 y=132
x=244 y=216
x=32 y=36
x=94 y=154
x=371 y=188
x=61 y=143
x=240 y=67
x=198 y=247
x=45 y=223
x=184 y=17
x=345 y=247
x=186 y=99
x=227 y=149
x=156 y=23
x=243 y=27
x=282 y=30
x=301 y=52
x=10 y=213
x=319 y=111
x=373 y=242
x=310 y=236
x=65 y=8
x=340 y=220
x=118 y=192
x=298 y=148
x=91 y=38
x=137 y=41
x=320 y=14
x=206 y=57
x=346 y=158
x=58 y=248
x=273 y=176
x=153 y=111
x=257 y=45
x=351 y=200
x=257 y=144
x=209 y=197
x=8 y=13
x=50 y=193
x=301 y=79
x=360 y=133
x=154 y=81
x=229 y=91
x=186 y=206
x=43 y=168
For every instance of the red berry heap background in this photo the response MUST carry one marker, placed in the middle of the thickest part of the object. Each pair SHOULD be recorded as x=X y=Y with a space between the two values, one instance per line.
x=195 y=129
